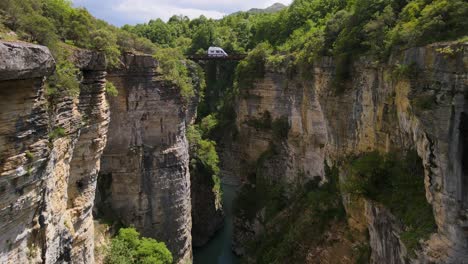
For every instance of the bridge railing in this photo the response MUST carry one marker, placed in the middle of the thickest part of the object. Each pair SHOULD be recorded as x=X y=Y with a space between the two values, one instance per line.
x=234 y=57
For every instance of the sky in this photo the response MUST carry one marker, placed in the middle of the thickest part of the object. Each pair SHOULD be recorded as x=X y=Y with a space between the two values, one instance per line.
x=121 y=12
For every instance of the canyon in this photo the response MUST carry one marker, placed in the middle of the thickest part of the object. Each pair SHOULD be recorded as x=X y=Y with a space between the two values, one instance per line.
x=67 y=160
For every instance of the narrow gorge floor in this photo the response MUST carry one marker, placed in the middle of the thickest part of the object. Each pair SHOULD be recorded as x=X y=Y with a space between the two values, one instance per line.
x=218 y=250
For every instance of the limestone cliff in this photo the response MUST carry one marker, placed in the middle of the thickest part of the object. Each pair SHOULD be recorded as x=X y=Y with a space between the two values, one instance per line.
x=145 y=167
x=378 y=110
x=49 y=161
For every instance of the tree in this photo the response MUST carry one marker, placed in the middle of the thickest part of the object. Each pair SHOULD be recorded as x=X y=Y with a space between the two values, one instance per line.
x=106 y=41
x=128 y=248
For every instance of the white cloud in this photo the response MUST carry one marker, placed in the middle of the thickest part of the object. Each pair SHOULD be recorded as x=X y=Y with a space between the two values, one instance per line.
x=146 y=10
x=121 y=12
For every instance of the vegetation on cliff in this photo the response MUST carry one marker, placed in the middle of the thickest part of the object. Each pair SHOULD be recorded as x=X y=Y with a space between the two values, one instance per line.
x=204 y=158
x=396 y=181
x=300 y=220
x=128 y=248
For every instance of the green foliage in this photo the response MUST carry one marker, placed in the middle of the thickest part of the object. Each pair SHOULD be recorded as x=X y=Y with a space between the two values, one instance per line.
x=260 y=193
x=302 y=219
x=207 y=124
x=37 y=28
x=405 y=71
x=253 y=67
x=398 y=183
x=106 y=41
x=425 y=22
x=363 y=253
x=58 y=132
x=111 y=90
x=280 y=126
x=29 y=155
x=424 y=102
x=262 y=123
x=65 y=76
x=173 y=68
x=128 y=248
x=204 y=158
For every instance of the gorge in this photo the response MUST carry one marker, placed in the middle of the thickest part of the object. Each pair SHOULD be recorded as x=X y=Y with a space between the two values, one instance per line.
x=293 y=155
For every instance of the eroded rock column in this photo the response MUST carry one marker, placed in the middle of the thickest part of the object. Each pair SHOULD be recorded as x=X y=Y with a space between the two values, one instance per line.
x=145 y=173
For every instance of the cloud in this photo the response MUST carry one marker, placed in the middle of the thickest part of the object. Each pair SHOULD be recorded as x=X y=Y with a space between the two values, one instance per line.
x=119 y=12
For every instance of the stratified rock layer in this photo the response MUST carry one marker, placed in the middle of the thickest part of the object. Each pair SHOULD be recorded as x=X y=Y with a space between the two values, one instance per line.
x=145 y=163
x=378 y=110
x=49 y=158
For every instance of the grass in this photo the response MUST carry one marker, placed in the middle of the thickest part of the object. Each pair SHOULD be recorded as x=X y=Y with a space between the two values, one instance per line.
x=29 y=155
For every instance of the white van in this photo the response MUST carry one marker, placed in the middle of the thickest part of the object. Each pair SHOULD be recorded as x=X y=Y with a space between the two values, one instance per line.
x=216 y=52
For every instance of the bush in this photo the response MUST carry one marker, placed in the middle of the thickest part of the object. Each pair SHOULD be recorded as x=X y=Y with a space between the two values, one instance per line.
x=424 y=102
x=106 y=41
x=405 y=71
x=128 y=248
x=204 y=158
x=111 y=90
x=58 y=132
x=262 y=123
x=65 y=77
x=281 y=127
x=252 y=67
x=173 y=68
x=38 y=29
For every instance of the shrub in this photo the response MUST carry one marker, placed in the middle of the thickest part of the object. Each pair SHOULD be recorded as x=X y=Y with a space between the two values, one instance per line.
x=58 y=132
x=405 y=71
x=173 y=68
x=106 y=41
x=111 y=90
x=38 y=29
x=207 y=124
x=252 y=67
x=128 y=248
x=262 y=123
x=281 y=127
x=424 y=102
x=204 y=158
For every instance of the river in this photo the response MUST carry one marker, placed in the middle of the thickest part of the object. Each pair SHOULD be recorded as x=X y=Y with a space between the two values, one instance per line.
x=218 y=250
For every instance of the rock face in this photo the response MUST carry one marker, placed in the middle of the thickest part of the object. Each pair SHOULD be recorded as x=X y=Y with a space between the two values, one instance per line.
x=207 y=211
x=377 y=111
x=145 y=167
x=49 y=158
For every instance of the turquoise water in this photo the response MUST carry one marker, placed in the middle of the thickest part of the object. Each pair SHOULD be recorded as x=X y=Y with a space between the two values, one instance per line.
x=218 y=250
